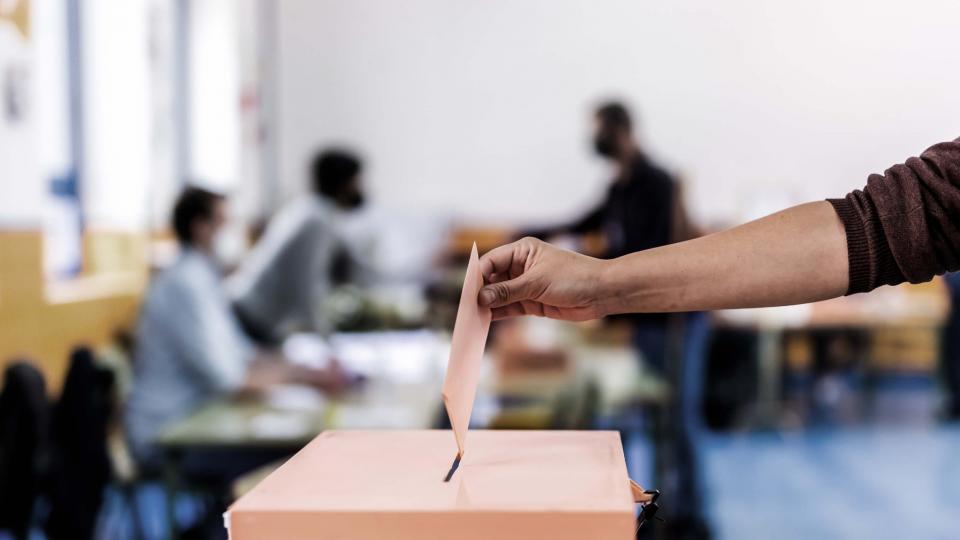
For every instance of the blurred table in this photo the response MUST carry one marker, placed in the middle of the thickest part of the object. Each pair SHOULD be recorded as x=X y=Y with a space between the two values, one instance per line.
x=403 y=372
x=254 y=423
x=601 y=381
x=885 y=310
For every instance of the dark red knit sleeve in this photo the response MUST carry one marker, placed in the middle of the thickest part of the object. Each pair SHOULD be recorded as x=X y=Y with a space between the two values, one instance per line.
x=905 y=225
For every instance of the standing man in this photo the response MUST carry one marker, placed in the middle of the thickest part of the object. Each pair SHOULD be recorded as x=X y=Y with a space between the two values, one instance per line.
x=643 y=210
x=638 y=211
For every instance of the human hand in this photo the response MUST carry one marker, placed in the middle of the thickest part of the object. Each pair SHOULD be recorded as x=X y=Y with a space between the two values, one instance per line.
x=332 y=379
x=532 y=277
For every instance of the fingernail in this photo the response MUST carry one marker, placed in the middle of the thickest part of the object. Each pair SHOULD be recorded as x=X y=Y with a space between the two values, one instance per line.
x=487 y=297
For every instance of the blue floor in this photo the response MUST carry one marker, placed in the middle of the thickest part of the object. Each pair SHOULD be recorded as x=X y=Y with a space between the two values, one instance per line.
x=117 y=521
x=882 y=482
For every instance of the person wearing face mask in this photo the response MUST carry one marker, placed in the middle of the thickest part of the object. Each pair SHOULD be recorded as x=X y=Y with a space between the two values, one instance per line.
x=190 y=347
x=639 y=212
x=642 y=210
x=281 y=286
x=641 y=207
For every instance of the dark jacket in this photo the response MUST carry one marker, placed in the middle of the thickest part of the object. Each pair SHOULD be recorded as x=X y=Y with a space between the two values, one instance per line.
x=82 y=469
x=24 y=445
x=636 y=214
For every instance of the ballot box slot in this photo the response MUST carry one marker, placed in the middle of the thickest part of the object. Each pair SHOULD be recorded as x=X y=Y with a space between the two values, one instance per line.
x=453 y=468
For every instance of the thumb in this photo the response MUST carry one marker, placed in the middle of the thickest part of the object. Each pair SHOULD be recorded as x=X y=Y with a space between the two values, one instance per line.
x=505 y=292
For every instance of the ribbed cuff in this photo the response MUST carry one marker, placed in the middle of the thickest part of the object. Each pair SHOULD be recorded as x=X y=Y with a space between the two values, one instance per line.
x=858 y=247
x=872 y=263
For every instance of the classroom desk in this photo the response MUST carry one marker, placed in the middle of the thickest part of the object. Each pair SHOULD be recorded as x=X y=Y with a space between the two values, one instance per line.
x=404 y=375
x=602 y=381
x=404 y=372
x=921 y=306
x=251 y=423
x=261 y=423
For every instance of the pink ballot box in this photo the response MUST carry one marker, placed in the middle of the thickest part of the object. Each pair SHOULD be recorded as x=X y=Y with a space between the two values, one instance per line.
x=390 y=484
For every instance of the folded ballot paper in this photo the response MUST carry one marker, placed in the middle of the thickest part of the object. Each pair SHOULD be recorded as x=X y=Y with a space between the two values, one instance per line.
x=466 y=353
x=510 y=485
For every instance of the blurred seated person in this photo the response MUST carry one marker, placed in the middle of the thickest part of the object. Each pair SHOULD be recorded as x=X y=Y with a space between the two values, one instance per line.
x=281 y=286
x=190 y=347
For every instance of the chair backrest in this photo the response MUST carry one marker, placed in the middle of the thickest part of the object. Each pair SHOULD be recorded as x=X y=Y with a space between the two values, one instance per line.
x=81 y=418
x=24 y=444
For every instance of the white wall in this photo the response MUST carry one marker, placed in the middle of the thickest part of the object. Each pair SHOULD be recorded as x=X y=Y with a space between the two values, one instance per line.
x=51 y=88
x=117 y=123
x=214 y=92
x=21 y=192
x=225 y=119
x=481 y=108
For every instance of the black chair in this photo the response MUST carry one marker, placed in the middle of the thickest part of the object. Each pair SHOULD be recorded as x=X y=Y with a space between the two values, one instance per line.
x=24 y=446
x=82 y=469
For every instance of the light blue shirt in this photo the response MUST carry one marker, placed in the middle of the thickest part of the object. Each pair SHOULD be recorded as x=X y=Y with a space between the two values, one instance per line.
x=189 y=349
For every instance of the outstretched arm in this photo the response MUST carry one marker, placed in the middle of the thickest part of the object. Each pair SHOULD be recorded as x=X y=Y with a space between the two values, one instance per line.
x=791 y=257
x=905 y=226
x=798 y=255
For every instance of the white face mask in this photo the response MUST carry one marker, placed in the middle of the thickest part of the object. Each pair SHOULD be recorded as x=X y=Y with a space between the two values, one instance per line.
x=229 y=245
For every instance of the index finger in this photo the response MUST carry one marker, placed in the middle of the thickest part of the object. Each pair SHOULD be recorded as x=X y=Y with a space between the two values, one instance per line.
x=499 y=260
